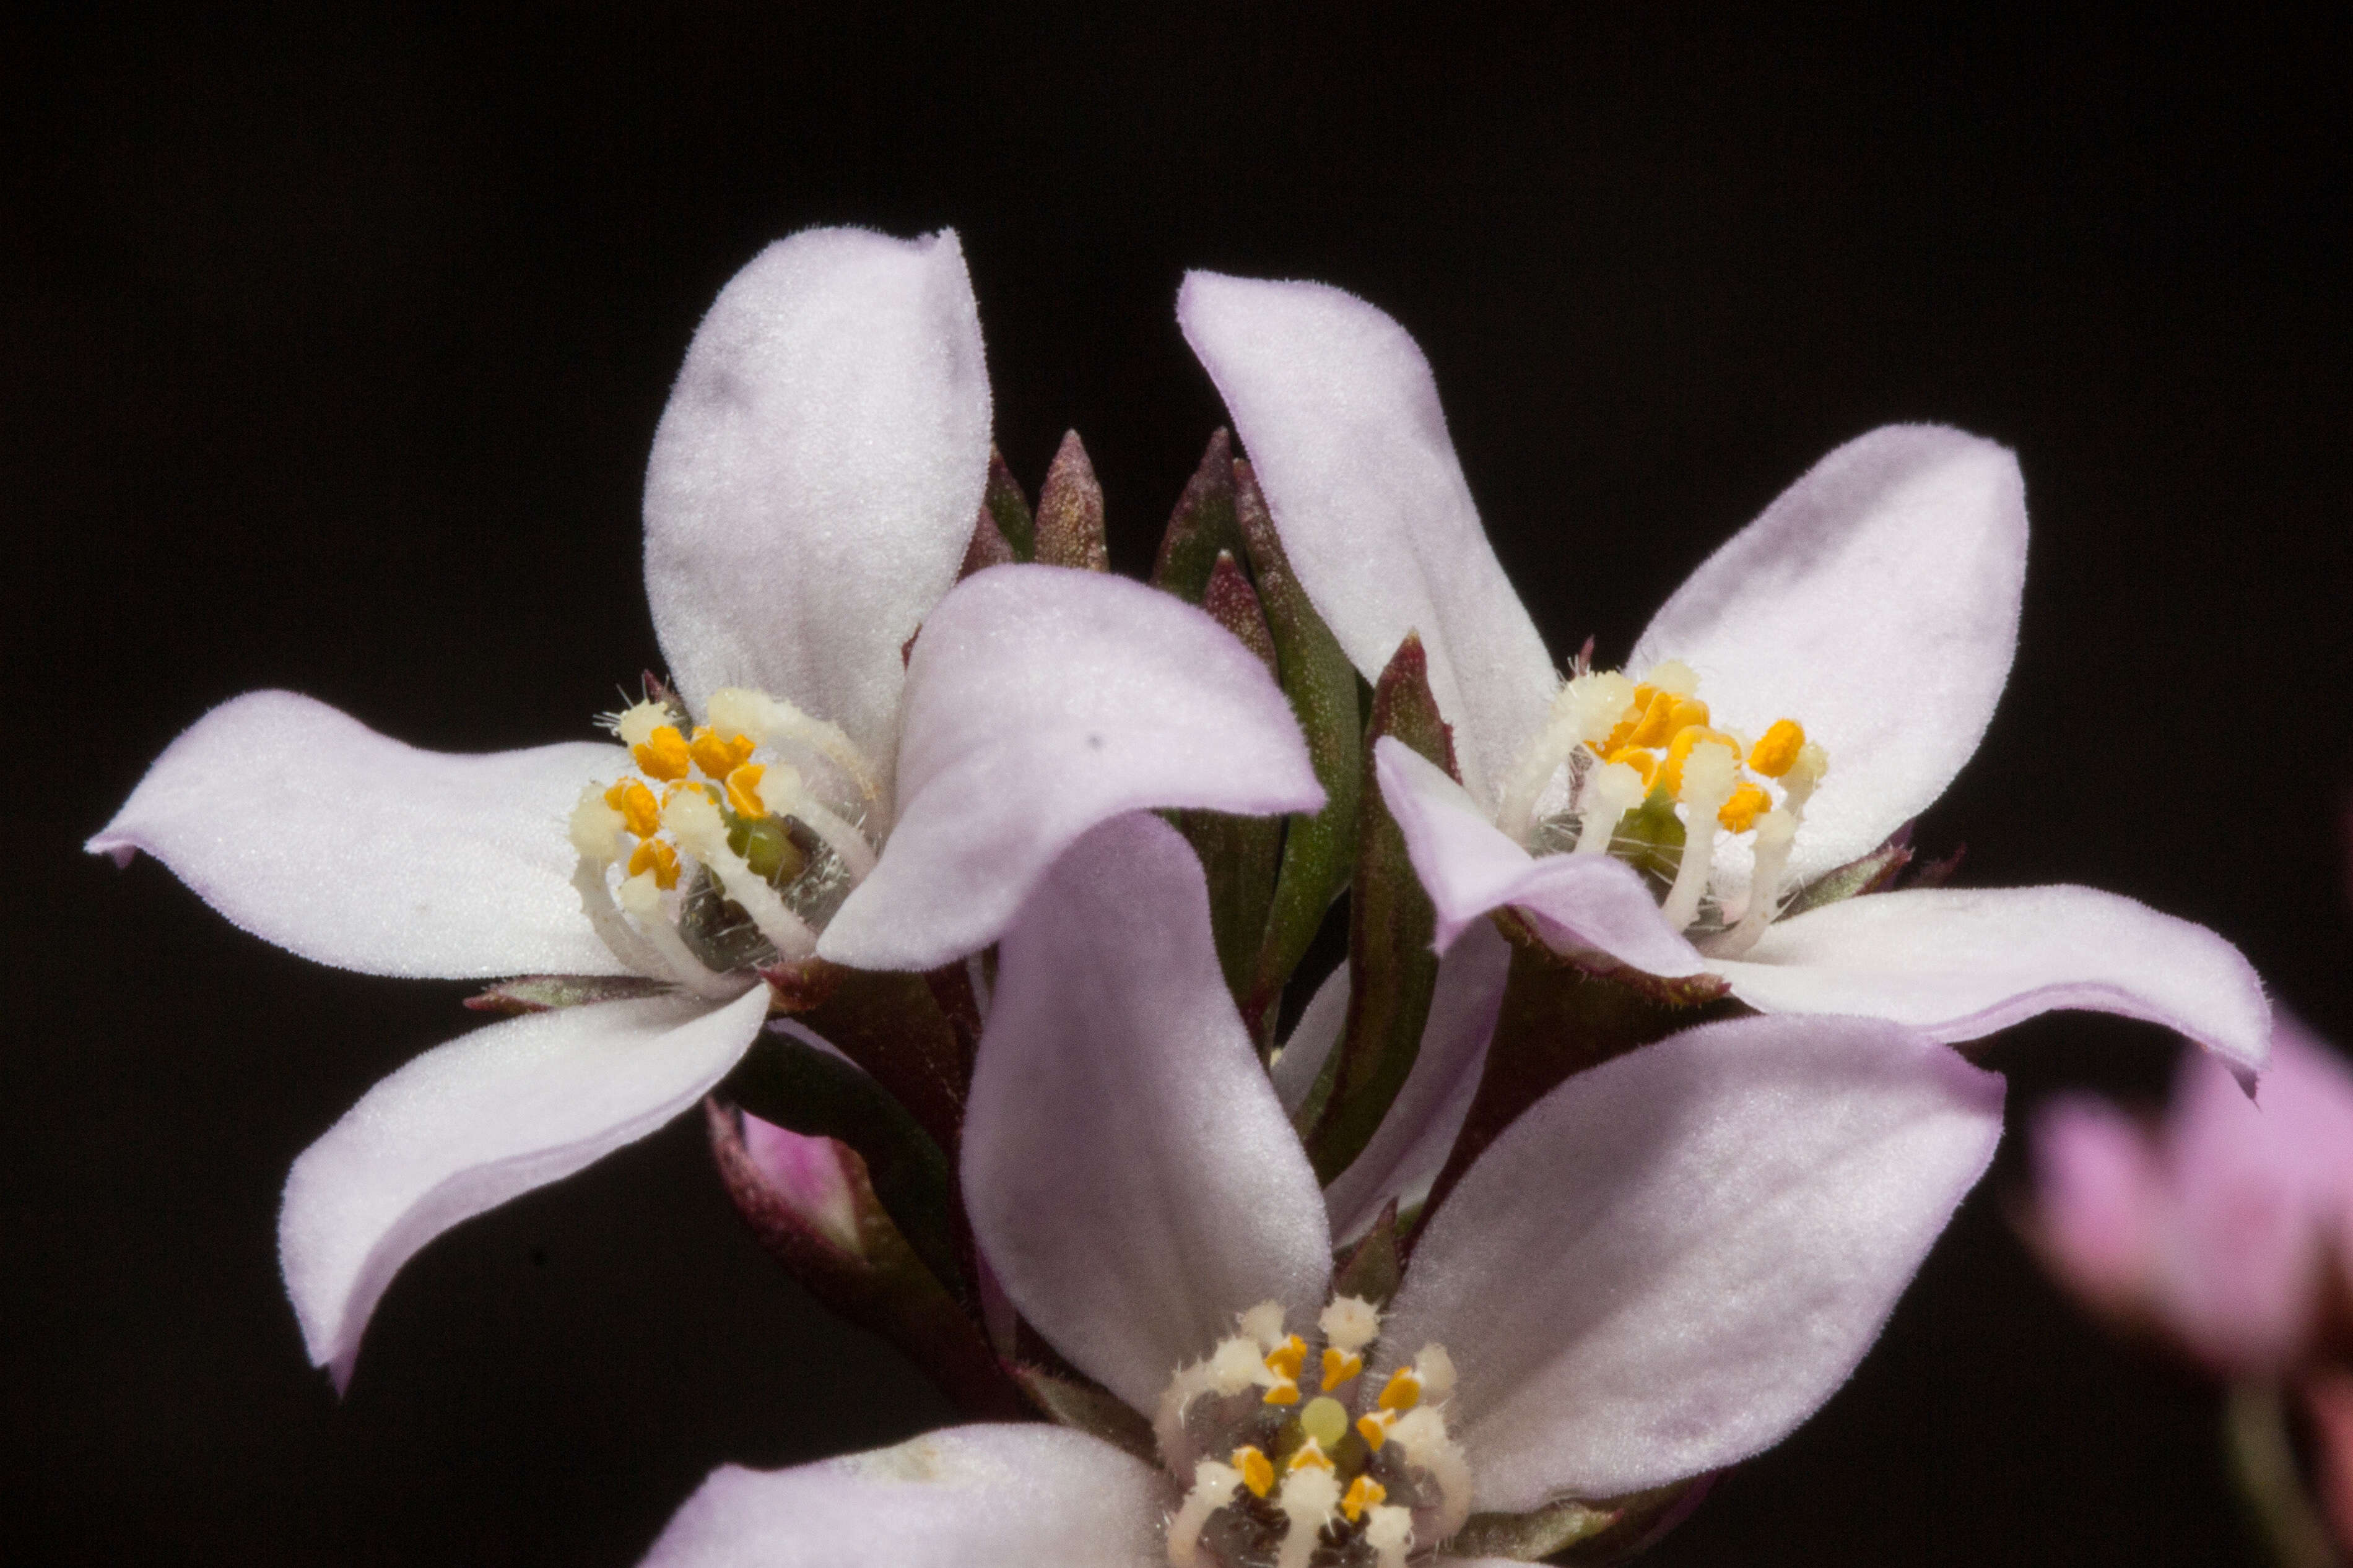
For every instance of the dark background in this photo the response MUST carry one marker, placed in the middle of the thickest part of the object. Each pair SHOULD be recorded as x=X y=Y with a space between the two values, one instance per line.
x=332 y=349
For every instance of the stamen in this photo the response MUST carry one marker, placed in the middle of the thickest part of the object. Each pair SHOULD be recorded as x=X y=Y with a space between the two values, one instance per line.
x=636 y=804
x=642 y=896
x=743 y=789
x=621 y=938
x=1673 y=676
x=701 y=830
x=662 y=754
x=1804 y=774
x=636 y=726
x=1436 y=1369
x=1389 y=1533
x=790 y=799
x=1213 y=1487
x=1421 y=1436
x=1256 y=1469
x=1776 y=830
x=1402 y=1392
x=1309 y=1498
x=596 y=828
x=1584 y=712
x=1363 y=1493
x=1612 y=791
x=1742 y=810
x=1774 y=755
x=654 y=855
x=1375 y=1429
x=1235 y=1364
x=1349 y=1324
x=1263 y=1323
x=1287 y=1358
x=737 y=711
x=1706 y=778
x=1340 y=1366
x=720 y=756
x=1309 y=1457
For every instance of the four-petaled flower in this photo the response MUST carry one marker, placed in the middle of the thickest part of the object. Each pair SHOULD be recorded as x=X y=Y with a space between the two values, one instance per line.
x=1656 y=1271
x=812 y=788
x=1811 y=689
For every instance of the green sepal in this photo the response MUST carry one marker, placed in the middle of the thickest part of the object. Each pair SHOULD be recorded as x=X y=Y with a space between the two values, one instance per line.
x=1070 y=524
x=1319 y=850
x=1584 y=1534
x=882 y=1282
x=1009 y=509
x=1872 y=873
x=1559 y=1017
x=1237 y=854
x=891 y=1025
x=1370 y=1270
x=817 y=1094
x=1392 y=970
x=1202 y=526
x=1086 y=1408
x=546 y=992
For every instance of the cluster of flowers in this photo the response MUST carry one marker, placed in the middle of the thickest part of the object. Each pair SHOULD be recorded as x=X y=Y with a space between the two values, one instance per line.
x=963 y=883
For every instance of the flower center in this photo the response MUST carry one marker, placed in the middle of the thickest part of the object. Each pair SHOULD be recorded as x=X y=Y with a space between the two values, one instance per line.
x=1352 y=1476
x=1634 y=752
x=704 y=862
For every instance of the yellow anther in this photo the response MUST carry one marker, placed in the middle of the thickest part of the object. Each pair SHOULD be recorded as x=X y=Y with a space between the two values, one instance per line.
x=655 y=855
x=1656 y=725
x=1643 y=762
x=1311 y=1457
x=719 y=757
x=662 y=754
x=1339 y=1366
x=1284 y=1392
x=1670 y=772
x=1620 y=736
x=1285 y=1358
x=1779 y=748
x=1363 y=1493
x=1743 y=809
x=1375 y=1429
x=743 y=791
x=1257 y=1470
x=636 y=805
x=1403 y=1391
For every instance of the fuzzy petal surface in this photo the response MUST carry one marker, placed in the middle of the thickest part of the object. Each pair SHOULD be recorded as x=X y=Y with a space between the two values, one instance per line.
x=1301 y=1059
x=470 y=1124
x=1341 y=417
x=1130 y=1174
x=965 y=1496
x=1961 y=963
x=1876 y=602
x=1470 y=866
x=304 y=826
x=1673 y=1260
x=1041 y=702
x=1410 y=1146
x=816 y=474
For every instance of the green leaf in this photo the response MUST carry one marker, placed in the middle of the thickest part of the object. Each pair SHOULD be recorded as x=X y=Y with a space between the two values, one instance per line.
x=1070 y=524
x=1237 y=854
x=1870 y=874
x=817 y=1094
x=1006 y=505
x=1391 y=968
x=1318 y=851
x=879 y=1282
x=1201 y=527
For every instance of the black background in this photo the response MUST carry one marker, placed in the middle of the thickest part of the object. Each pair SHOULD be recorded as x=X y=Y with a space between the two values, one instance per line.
x=334 y=345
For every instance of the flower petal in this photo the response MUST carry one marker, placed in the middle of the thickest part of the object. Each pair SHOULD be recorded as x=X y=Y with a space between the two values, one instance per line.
x=1875 y=602
x=1041 y=701
x=967 y=1497
x=1470 y=866
x=816 y=475
x=1340 y=415
x=470 y=1124
x=1675 y=1258
x=309 y=829
x=1129 y=1174
x=1411 y=1144
x=1958 y=964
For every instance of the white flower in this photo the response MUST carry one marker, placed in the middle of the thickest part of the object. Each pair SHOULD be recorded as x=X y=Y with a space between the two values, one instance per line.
x=1874 y=607
x=812 y=491
x=1655 y=1272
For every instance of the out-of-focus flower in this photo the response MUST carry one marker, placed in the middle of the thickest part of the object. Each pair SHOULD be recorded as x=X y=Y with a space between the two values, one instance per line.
x=812 y=788
x=1806 y=692
x=1655 y=1272
x=2227 y=1232
x=2230 y=1230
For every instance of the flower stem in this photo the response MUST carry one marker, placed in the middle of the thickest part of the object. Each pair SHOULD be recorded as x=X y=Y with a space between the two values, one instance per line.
x=2263 y=1463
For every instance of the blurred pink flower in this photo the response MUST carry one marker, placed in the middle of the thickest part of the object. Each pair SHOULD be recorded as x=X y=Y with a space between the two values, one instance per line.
x=2227 y=1230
